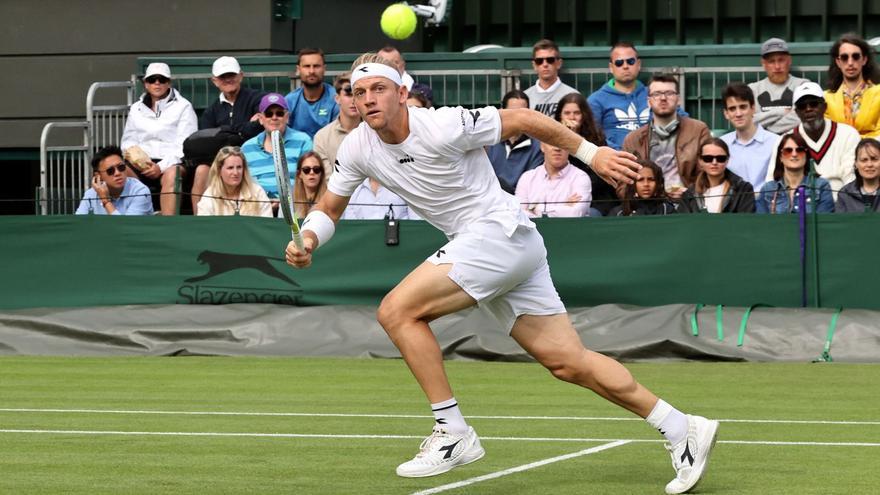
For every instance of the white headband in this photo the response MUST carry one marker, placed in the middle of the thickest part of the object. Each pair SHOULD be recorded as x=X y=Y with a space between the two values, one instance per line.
x=375 y=70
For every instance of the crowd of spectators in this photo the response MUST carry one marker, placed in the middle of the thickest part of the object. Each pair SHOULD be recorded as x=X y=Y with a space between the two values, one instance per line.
x=792 y=145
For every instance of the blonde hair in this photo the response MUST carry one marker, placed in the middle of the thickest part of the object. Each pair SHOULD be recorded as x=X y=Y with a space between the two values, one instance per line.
x=302 y=203
x=226 y=199
x=373 y=58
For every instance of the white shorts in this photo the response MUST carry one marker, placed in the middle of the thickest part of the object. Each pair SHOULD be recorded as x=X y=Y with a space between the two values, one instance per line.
x=507 y=275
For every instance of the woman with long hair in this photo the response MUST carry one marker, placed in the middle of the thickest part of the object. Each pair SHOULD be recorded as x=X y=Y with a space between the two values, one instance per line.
x=862 y=194
x=231 y=189
x=792 y=170
x=309 y=184
x=645 y=196
x=574 y=111
x=717 y=189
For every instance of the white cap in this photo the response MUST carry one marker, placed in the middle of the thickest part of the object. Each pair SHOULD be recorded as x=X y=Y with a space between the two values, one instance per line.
x=808 y=88
x=158 y=69
x=225 y=65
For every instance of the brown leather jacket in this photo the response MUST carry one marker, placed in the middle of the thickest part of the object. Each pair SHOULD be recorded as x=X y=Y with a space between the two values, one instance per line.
x=691 y=134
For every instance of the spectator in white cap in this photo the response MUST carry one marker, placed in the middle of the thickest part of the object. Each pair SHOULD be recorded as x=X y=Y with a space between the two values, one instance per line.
x=235 y=112
x=773 y=94
x=830 y=145
x=158 y=123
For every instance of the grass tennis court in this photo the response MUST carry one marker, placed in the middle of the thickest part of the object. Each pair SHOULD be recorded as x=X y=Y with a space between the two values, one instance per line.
x=341 y=426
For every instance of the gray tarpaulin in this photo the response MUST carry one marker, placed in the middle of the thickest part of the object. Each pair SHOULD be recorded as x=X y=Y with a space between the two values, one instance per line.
x=627 y=332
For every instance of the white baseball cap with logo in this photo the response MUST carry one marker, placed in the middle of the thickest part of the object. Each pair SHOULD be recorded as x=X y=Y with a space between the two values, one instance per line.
x=225 y=65
x=808 y=88
x=158 y=69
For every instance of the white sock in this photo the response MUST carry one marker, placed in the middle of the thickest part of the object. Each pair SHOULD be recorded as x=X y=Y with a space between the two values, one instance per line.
x=448 y=416
x=671 y=422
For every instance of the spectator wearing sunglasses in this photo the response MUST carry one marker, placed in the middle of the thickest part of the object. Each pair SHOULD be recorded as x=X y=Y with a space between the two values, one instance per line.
x=328 y=139
x=717 y=189
x=791 y=170
x=158 y=123
x=774 y=93
x=621 y=105
x=830 y=145
x=311 y=106
x=112 y=191
x=853 y=96
x=545 y=94
x=309 y=184
x=862 y=194
x=668 y=139
x=273 y=116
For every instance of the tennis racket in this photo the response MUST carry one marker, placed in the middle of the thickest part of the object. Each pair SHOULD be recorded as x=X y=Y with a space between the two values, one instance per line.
x=282 y=175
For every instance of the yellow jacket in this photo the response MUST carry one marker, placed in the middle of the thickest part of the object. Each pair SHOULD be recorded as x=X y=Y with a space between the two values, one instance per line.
x=867 y=120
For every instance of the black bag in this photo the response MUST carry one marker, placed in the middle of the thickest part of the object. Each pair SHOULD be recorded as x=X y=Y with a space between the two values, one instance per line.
x=202 y=146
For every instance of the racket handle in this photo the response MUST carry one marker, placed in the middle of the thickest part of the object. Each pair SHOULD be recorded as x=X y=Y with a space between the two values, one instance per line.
x=297 y=239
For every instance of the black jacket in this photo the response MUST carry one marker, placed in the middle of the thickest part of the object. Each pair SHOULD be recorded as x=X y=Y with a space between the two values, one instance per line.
x=851 y=200
x=740 y=197
x=237 y=118
x=645 y=207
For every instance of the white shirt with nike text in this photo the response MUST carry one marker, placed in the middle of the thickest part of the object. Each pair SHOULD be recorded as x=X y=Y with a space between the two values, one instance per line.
x=440 y=169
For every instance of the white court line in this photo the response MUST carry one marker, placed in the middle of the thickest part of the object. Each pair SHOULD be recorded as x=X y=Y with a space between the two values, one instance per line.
x=414 y=416
x=518 y=469
x=410 y=437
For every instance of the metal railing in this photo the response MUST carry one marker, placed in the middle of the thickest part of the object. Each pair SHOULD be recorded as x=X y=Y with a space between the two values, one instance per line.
x=64 y=171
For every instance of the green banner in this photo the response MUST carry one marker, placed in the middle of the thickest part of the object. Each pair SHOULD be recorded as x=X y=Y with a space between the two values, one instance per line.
x=738 y=260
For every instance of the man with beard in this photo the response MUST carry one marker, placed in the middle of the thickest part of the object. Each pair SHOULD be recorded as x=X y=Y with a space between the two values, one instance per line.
x=853 y=97
x=668 y=139
x=313 y=105
x=830 y=145
x=773 y=94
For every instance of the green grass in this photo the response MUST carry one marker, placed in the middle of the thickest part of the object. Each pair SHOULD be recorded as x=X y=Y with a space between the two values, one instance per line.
x=91 y=463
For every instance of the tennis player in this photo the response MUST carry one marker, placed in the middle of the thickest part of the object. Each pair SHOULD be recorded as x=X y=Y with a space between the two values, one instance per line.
x=495 y=257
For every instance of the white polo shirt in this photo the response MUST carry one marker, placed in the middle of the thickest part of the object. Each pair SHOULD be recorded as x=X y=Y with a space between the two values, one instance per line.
x=440 y=169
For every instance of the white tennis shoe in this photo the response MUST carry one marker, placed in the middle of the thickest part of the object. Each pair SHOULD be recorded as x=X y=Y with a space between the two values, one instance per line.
x=442 y=451
x=691 y=456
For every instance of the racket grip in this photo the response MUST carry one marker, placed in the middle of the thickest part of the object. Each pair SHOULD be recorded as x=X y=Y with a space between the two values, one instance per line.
x=297 y=239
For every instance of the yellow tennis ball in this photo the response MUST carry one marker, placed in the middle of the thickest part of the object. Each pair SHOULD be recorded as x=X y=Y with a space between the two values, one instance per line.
x=398 y=21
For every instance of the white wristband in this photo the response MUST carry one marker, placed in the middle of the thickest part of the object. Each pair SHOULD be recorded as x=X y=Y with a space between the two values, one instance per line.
x=321 y=225
x=586 y=151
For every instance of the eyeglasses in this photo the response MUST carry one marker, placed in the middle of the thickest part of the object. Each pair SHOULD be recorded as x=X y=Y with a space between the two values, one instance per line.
x=844 y=57
x=312 y=170
x=274 y=113
x=628 y=61
x=663 y=94
x=156 y=79
x=714 y=158
x=345 y=90
x=800 y=150
x=541 y=60
x=803 y=104
x=113 y=169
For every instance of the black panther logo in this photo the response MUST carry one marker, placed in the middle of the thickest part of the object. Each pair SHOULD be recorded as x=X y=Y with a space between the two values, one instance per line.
x=219 y=263
x=767 y=101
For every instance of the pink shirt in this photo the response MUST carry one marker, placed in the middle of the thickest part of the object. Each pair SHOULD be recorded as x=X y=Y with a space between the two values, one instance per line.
x=540 y=194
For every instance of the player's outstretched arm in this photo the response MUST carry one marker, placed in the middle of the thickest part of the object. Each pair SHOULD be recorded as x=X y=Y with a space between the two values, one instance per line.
x=614 y=166
x=317 y=228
